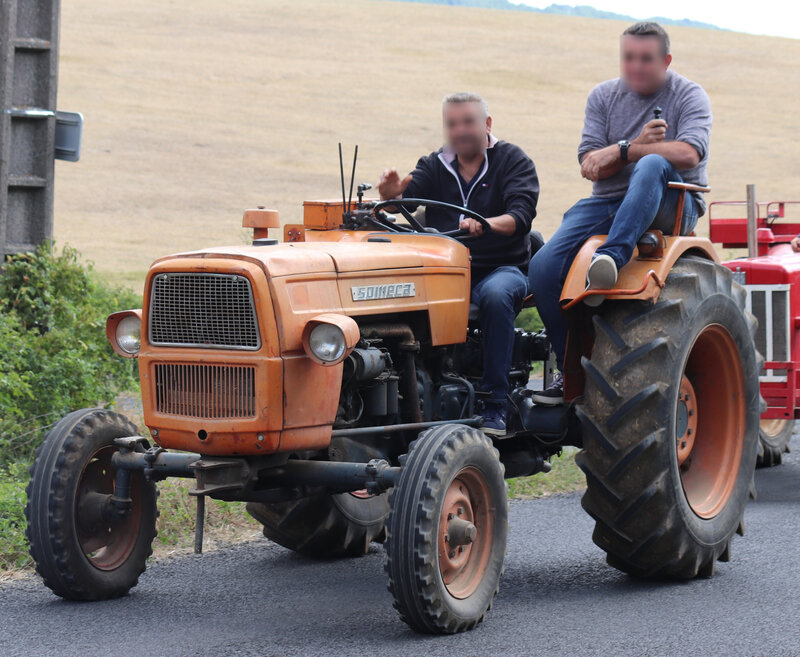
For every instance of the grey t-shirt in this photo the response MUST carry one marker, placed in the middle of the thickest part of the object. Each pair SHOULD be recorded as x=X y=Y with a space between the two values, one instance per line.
x=614 y=112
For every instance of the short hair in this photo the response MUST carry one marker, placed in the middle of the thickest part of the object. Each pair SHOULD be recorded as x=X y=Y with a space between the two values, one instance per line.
x=466 y=97
x=650 y=29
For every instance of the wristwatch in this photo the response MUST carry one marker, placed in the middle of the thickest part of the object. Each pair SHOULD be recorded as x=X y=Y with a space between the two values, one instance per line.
x=624 y=145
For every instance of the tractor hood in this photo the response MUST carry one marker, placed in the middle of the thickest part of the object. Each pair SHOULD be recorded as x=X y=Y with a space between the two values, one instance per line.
x=354 y=253
x=780 y=266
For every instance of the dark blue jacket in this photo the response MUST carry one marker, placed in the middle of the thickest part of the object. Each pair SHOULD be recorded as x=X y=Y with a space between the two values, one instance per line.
x=507 y=184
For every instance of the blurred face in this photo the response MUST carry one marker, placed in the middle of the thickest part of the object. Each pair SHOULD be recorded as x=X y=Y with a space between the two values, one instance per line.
x=643 y=63
x=466 y=129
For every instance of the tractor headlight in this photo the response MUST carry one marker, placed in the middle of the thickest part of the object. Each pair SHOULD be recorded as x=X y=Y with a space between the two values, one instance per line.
x=129 y=334
x=326 y=342
x=328 y=339
x=124 y=332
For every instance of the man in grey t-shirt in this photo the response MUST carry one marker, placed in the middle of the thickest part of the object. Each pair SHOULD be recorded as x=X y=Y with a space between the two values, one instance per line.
x=642 y=130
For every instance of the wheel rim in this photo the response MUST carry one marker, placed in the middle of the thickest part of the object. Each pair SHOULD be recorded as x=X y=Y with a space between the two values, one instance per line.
x=105 y=541
x=466 y=530
x=773 y=428
x=710 y=421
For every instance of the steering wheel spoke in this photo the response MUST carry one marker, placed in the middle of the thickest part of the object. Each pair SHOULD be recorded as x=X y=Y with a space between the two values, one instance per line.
x=459 y=234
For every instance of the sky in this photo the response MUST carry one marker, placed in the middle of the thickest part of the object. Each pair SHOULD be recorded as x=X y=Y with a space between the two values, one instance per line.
x=771 y=17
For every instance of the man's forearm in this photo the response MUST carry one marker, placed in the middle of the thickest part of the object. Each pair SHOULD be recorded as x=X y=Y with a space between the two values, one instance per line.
x=503 y=224
x=679 y=154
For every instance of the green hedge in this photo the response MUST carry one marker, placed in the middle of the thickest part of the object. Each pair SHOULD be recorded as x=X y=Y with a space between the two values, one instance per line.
x=54 y=355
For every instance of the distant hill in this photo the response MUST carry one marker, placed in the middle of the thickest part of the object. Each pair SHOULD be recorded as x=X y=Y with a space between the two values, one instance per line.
x=584 y=11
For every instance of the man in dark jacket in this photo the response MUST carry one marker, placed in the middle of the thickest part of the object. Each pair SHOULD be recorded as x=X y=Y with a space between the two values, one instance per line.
x=497 y=180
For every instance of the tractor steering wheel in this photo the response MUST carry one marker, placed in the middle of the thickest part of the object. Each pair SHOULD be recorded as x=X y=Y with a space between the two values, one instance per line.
x=417 y=227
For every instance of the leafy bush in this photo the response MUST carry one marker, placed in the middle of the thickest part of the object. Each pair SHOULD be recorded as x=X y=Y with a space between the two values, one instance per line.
x=13 y=545
x=529 y=320
x=55 y=355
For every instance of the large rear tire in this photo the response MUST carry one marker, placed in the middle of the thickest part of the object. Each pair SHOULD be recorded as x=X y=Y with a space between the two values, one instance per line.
x=671 y=421
x=325 y=526
x=774 y=436
x=80 y=551
x=446 y=535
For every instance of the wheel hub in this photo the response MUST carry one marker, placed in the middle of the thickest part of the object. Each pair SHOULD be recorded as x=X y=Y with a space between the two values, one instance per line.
x=710 y=421
x=465 y=533
x=686 y=421
x=106 y=539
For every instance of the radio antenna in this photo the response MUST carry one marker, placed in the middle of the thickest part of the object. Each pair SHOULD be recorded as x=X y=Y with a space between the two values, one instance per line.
x=352 y=177
x=341 y=173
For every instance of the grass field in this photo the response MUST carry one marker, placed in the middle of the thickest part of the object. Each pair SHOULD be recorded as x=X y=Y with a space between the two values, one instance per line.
x=197 y=110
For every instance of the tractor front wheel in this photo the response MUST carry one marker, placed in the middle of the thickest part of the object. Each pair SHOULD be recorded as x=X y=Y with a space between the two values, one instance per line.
x=671 y=422
x=81 y=549
x=446 y=534
x=775 y=436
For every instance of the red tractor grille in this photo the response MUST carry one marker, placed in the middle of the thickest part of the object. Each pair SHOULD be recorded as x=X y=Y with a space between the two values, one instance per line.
x=205 y=391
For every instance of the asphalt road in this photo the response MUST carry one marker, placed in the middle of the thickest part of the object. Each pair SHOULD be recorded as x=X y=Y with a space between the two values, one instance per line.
x=558 y=597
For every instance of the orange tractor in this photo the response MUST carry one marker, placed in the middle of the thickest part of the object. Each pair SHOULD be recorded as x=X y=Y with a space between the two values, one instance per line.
x=329 y=381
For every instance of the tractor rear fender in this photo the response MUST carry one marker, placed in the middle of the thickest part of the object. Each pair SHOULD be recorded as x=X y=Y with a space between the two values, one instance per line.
x=642 y=278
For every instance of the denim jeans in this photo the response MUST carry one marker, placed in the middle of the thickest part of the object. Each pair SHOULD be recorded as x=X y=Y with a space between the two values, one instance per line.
x=648 y=202
x=498 y=295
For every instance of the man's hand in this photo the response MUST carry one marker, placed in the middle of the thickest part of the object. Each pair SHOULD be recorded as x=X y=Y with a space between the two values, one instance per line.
x=474 y=228
x=503 y=224
x=595 y=162
x=391 y=186
x=796 y=244
x=653 y=132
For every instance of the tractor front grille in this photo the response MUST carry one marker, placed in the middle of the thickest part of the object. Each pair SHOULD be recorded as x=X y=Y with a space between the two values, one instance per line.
x=770 y=306
x=205 y=391
x=203 y=310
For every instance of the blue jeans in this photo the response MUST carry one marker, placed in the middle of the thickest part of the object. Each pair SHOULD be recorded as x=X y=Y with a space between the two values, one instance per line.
x=498 y=295
x=648 y=202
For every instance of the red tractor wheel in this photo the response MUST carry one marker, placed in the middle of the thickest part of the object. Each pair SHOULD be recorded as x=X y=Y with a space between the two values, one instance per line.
x=446 y=534
x=775 y=436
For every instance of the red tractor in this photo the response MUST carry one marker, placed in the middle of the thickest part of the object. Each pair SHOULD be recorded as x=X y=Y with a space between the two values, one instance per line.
x=770 y=275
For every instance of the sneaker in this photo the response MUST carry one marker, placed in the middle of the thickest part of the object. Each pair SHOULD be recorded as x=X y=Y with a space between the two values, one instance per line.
x=553 y=395
x=602 y=275
x=494 y=420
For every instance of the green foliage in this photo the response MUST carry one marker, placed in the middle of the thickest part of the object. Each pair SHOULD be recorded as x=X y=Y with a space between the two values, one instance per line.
x=529 y=320
x=13 y=545
x=225 y=521
x=55 y=355
x=565 y=477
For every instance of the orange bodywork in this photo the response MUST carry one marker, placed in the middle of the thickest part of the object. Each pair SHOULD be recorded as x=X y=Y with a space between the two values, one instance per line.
x=296 y=399
x=642 y=278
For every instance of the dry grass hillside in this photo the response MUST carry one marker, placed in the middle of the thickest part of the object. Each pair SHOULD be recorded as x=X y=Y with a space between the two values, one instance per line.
x=197 y=109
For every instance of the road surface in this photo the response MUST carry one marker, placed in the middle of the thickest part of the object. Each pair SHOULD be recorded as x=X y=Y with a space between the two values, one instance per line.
x=558 y=597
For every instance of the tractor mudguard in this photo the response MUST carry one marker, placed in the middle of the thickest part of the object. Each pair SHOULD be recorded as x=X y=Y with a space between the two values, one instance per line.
x=642 y=278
